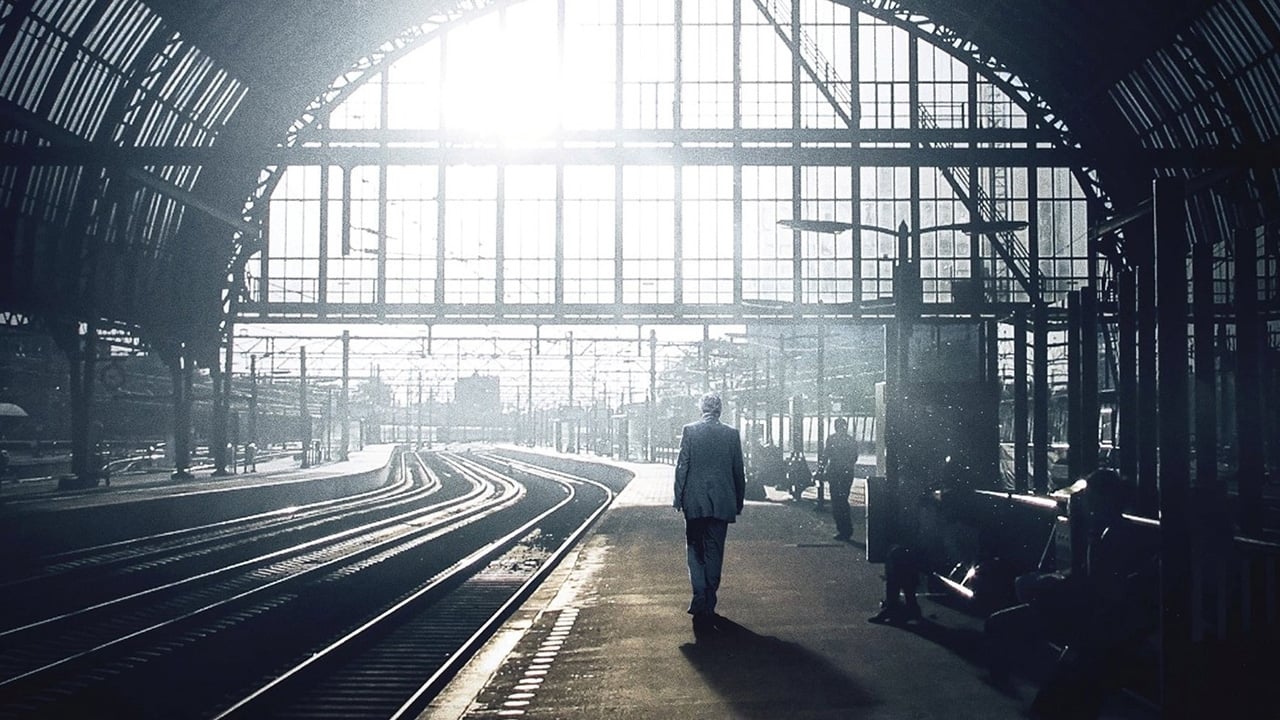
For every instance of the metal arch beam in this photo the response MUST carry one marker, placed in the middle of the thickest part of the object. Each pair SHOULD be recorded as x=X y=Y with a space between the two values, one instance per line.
x=988 y=66
x=336 y=93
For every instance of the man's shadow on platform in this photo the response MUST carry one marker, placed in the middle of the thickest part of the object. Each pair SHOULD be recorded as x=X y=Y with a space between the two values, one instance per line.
x=764 y=677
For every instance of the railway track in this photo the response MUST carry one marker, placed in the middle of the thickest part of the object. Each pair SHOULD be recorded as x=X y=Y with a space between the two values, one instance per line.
x=367 y=619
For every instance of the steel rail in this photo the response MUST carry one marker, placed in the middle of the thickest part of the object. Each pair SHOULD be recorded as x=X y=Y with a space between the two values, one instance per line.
x=440 y=521
x=136 y=550
x=421 y=609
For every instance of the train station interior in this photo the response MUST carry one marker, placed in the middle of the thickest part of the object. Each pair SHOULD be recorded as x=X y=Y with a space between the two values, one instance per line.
x=359 y=244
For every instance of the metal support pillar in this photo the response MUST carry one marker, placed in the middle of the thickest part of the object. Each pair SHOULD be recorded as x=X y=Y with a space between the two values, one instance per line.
x=344 y=400
x=1040 y=399
x=79 y=343
x=252 y=435
x=1148 y=407
x=222 y=410
x=821 y=412
x=1206 y=394
x=653 y=395
x=1251 y=344
x=303 y=409
x=782 y=393
x=1020 y=402
x=892 y=337
x=1127 y=380
x=533 y=426
x=181 y=373
x=1075 y=418
x=1088 y=434
x=1175 y=522
x=573 y=414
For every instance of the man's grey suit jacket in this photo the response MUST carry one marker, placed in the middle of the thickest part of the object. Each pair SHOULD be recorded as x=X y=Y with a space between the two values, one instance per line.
x=710 y=481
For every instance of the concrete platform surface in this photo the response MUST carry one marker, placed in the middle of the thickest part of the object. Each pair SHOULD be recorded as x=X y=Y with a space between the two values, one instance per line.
x=608 y=637
x=43 y=494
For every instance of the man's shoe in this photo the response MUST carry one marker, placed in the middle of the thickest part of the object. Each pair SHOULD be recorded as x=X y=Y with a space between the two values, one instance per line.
x=841 y=537
x=704 y=621
x=888 y=613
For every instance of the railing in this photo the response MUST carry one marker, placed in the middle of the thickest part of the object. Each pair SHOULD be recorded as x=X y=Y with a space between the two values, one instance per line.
x=839 y=94
x=985 y=209
x=812 y=61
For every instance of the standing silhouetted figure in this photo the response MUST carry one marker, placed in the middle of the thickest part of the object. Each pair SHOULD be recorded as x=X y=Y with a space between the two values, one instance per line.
x=710 y=489
x=839 y=457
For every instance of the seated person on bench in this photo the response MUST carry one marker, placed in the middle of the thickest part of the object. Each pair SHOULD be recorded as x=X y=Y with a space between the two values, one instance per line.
x=1110 y=608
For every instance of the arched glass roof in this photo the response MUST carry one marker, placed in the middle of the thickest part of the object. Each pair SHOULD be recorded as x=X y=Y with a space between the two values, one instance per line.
x=529 y=160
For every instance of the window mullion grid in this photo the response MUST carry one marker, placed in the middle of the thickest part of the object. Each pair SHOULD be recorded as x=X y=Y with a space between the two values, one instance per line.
x=617 y=168
x=797 y=272
x=322 y=279
x=737 y=166
x=500 y=237
x=677 y=170
x=855 y=174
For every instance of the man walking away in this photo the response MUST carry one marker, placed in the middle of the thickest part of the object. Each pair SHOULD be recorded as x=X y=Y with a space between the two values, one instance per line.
x=709 y=489
x=840 y=456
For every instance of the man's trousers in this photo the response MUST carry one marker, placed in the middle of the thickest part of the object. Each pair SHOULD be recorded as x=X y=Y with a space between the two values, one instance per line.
x=704 y=544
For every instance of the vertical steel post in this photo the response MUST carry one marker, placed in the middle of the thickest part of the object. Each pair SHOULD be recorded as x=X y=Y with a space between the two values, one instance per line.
x=573 y=414
x=222 y=408
x=653 y=393
x=1206 y=393
x=1251 y=343
x=252 y=435
x=181 y=414
x=304 y=411
x=1127 y=382
x=1148 y=404
x=1174 y=449
x=1020 y=438
x=821 y=412
x=1040 y=398
x=344 y=400
x=532 y=429
x=1075 y=436
x=1088 y=435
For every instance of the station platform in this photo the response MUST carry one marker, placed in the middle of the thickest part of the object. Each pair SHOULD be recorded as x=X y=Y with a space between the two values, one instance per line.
x=30 y=494
x=607 y=636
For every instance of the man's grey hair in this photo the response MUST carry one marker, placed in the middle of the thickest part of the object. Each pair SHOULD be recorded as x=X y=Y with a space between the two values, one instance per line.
x=710 y=404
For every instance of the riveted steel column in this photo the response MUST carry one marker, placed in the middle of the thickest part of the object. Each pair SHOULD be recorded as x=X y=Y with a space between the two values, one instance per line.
x=1020 y=438
x=1206 y=394
x=1127 y=379
x=1250 y=346
x=1075 y=434
x=181 y=372
x=1088 y=435
x=1040 y=398
x=1175 y=524
x=653 y=394
x=344 y=400
x=1148 y=406
x=304 y=410
x=78 y=342
x=221 y=378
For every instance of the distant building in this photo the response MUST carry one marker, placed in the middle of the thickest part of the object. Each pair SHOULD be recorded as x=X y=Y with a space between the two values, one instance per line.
x=477 y=400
